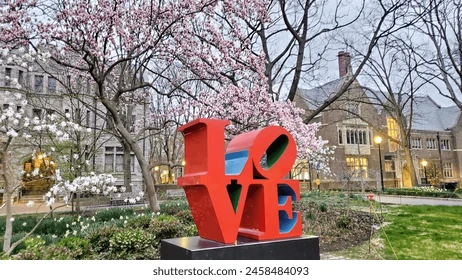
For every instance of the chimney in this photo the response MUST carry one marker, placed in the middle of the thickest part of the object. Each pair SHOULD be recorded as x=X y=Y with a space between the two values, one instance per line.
x=343 y=63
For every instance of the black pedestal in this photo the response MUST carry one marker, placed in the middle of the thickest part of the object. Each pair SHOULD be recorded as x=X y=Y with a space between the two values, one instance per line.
x=196 y=248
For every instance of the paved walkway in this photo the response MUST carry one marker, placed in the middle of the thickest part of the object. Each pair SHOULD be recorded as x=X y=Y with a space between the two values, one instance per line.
x=417 y=200
x=21 y=208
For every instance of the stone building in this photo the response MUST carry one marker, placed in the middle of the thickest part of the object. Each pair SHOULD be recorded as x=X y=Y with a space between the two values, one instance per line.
x=349 y=124
x=95 y=148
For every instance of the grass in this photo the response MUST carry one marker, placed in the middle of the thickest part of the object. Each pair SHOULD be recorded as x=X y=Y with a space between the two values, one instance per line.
x=423 y=233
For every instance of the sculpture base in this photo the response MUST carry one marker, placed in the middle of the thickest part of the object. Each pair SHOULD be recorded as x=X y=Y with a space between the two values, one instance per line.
x=196 y=248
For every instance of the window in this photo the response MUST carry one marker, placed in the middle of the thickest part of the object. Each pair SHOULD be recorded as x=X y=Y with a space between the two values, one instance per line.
x=114 y=160
x=356 y=136
x=389 y=166
x=18 y=108
x=393 y=132
x=340 y=140
x=431 y=144
x=6 y=106
x=50 y=112
x=7 y=77
x=421 y=170
x=299 y=172
x=416 y=143
x=51 y=85
x=447 y=170
x=87 y=118
x=38 y=83
x=445 y=144
x=357 y=166
x=21 y=77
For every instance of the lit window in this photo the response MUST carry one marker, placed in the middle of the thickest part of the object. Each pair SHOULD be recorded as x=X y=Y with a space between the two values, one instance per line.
x=393 y=132
x=447 y=170
x=357 y=166
x=389 y=167
x=301 y=171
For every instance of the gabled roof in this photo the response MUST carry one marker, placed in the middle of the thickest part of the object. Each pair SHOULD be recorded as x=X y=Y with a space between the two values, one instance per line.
x=429 y=115
x=315 y=97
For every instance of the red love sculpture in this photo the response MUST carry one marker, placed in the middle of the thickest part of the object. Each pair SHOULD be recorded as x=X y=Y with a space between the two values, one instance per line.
x=240 y=190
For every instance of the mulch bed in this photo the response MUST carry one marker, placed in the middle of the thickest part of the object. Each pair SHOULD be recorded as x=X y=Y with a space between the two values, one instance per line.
x=338 y=229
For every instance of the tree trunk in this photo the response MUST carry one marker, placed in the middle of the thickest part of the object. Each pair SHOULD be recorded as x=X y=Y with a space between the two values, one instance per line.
x=127 y=165
x=9 y=214
x=131 y=141
x=410 y=165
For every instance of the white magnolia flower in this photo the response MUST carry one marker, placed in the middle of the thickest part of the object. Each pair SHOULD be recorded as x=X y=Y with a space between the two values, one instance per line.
x=12 y=219
x=30 y=203
x=24 y=224
x=50 y=201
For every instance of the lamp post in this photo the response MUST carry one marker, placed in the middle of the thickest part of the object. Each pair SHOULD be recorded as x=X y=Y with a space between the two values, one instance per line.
x=424 y=164
x=378 y=140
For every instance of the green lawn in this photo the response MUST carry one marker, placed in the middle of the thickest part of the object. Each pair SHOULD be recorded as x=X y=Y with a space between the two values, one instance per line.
x=423 y=233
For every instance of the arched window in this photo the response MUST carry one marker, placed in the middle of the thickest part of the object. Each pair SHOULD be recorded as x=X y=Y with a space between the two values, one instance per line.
x=360 y=137
x=364 y=137
x=348 y=136
x=340 y=140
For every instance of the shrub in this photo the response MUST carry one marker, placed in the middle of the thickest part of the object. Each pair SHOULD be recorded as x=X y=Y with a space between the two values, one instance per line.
x=35 y=250
x=52 y=252
x=190 y=230
x=141 y=221
x=79 y=247
x=173 y=207
x=185 y=216
x=166 y=226
x=422 y=191
x=131 y=243
x=99 y=238
x=343 y=222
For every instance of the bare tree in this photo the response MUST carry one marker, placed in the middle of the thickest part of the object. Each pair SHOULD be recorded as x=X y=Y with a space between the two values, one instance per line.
x=394 y=75
x=296 y=39
x=380 y=21
x=442 y=28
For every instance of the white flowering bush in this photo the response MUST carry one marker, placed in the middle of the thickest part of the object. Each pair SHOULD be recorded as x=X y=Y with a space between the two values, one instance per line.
x=94 y=184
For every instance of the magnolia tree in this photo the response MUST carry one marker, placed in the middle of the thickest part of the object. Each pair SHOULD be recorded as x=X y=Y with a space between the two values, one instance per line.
x=129 y=48
x=17 y=131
